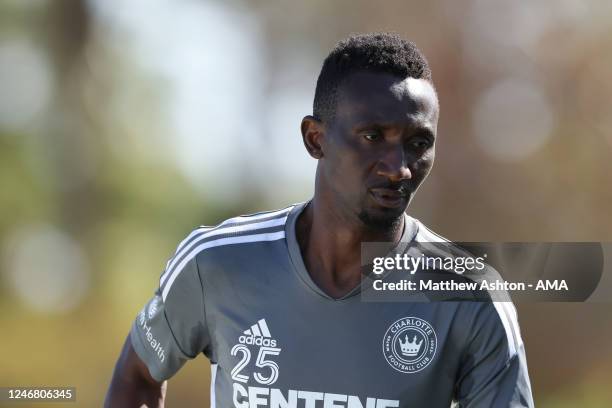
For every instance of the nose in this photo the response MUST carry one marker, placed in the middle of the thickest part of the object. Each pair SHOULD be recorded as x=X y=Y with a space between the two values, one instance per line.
x=394 y=166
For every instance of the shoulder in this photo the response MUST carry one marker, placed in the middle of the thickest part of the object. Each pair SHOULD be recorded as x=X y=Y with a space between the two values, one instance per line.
x=435 y=244
x=234 y=233
x=425 y=234
x=262 y=226
x=243 y=229
x=466 y=263
x=495 y=303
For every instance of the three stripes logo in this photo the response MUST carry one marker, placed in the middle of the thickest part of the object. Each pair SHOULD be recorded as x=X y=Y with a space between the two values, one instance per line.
x=258 y=335
x=268 y=226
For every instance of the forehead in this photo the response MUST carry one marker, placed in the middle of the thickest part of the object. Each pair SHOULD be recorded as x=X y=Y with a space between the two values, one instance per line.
x=382 y=97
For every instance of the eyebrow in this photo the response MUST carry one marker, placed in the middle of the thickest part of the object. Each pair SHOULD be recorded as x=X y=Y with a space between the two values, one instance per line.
x=424 y=131
x=368 y=125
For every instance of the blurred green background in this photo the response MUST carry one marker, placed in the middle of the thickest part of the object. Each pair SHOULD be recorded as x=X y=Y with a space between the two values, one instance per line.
x=125 y=124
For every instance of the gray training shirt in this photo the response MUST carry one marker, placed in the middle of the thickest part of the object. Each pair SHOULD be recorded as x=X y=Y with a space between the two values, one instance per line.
x=240 y=293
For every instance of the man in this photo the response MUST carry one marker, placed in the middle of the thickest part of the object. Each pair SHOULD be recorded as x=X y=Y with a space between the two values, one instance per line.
x=273 y=299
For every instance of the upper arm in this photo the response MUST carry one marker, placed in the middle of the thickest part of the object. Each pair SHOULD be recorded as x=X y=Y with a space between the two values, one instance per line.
x=132 y=368
x=493 y=370
x=171 y=328
x=132 y=384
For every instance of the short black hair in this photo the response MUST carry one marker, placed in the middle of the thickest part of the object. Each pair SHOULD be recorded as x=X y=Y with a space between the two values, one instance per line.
x=374 y=52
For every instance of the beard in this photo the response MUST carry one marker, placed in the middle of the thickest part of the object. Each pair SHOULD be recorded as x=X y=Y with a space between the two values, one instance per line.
x=382 y=219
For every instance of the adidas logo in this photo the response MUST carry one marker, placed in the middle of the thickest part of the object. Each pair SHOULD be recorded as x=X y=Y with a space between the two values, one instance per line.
x=258 y=335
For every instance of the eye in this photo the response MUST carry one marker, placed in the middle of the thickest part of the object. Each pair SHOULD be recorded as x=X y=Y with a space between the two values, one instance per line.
x=421 y=144
x=371 y=136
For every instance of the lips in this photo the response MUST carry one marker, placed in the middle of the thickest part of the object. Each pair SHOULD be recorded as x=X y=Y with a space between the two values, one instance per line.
x=389 y=198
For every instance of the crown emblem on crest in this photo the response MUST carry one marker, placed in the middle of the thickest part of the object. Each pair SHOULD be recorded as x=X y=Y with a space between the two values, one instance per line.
x=410 y=348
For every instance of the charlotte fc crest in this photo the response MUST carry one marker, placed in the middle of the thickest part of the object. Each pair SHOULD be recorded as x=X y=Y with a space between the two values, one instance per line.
x=410 y=344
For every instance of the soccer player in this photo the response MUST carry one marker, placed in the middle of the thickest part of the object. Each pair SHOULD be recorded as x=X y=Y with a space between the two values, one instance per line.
x=273 y=299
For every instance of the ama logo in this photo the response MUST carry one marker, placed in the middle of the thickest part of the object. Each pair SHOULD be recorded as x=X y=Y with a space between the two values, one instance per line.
x=258 y=335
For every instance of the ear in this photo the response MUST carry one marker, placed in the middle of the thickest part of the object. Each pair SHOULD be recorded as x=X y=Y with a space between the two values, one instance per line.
x=313 y=131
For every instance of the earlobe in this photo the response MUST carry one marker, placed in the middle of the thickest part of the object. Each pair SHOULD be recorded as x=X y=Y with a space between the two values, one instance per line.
x=313 y=131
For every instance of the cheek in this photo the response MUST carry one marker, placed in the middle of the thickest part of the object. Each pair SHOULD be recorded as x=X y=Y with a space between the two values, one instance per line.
x=424 y=164
x=429 y=158
x=349 y=160
x=349 y=165
x=340 y=170
x=349 y=175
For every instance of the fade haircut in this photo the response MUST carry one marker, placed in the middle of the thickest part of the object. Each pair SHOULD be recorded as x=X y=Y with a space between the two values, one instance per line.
x=375 y=52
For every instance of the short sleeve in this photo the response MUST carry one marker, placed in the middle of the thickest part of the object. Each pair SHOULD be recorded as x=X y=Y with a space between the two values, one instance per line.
x=171 y=328
x=493 y=372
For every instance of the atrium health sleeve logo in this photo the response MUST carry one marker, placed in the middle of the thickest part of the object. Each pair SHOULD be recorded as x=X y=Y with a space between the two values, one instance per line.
x=150 y=312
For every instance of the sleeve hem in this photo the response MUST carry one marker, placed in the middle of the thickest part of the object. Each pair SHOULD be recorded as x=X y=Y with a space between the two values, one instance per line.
x=155 y=371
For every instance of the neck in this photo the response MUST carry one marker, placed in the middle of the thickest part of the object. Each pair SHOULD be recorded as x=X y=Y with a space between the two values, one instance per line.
x=331 y=245
x=335 y=224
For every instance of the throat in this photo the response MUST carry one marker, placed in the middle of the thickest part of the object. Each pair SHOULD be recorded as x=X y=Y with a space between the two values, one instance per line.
x=335 y=290
x=336 y=283
x=331 y=252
